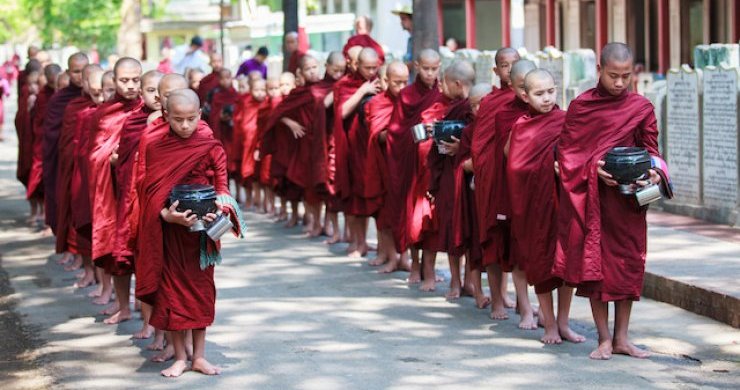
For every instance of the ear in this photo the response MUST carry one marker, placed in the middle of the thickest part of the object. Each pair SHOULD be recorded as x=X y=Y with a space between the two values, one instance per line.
x=524 y=97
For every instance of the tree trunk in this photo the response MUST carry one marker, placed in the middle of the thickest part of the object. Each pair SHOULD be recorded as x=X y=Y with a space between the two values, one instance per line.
x=290 y=24
x=425 y=31
x=129 y=34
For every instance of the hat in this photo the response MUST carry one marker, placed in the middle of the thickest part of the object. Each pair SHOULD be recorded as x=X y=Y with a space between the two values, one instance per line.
x=402 y=9
x=196 y=41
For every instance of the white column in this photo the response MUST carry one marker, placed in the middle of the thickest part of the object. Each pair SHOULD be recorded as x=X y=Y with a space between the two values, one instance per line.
x=532 y=27
x=674 y=31
x=330 y=7
x=387 y=27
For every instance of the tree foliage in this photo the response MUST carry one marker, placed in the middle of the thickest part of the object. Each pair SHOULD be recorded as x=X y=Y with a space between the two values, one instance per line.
x=13 y=21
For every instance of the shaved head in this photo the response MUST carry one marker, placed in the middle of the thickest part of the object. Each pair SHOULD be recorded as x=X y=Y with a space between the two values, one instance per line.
x=504 y=52
x=396 y=68
x=51 y=72
x=368 y=54
x=126 y=63
x=354 y=52
x=291 y=41
x=173 y=81
x=521 y=68
x=462 y=71
x=62 y=80
x=397 y=74
x=225 y=72
x=151 y=75
x=615 y=52
x=429 y=55
x=536 y=76
x=77 y=57
x=481 y=89
x=183 y=98
x=75 y=64
x=335 y=58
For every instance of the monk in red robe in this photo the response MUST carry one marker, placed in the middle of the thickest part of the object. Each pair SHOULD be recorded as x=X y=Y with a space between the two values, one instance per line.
x=211 y=80
x=362 y=38
x=109 y=121
x=195 y=76
x=263 y=162
x=245 y=120
x=109 y=86
x=533 y=195
x=66 y=235
x=63 y=81
x=222 y=101
x=287 y=84
x=483 y=157
x=295 y=54
x=402 y=156
x=178 y=279
x=351 y=137
x=378 y=113
x=602 y=234
x=27 y=101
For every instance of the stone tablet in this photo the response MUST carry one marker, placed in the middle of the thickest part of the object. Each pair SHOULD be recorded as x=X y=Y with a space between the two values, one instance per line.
x=682 y=138
x=553 y=61
x=719 y=111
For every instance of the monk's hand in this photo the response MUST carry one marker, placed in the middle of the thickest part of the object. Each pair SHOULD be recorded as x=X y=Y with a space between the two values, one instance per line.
x=256 y=155
x=452 y=147
x=171 y=215
x=653 y=178
x=114 y=156
x=430 y=196
x=557 y=169
x=295 y=128
x=371 y=87
x=468 y=165
x=605 y=176
x=210 y=217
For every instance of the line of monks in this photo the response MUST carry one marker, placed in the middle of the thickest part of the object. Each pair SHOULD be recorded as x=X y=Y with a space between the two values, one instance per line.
x=520 y=190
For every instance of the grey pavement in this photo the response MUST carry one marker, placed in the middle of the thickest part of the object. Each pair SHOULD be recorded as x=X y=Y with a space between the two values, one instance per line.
x=295 y=314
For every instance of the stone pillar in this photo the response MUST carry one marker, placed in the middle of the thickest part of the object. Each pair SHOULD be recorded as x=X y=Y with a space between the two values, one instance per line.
x=674 y=32
x=532 y=27
x=330 y=7
x=572 y=20
x=618 y=22
x=363 y=7
x=345 y=6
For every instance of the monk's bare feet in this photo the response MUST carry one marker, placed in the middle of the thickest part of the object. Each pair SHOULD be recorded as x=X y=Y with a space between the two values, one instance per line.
x=361 y=251
x=167 y=354
x=527 y=321
x=482 y=301
x=102 y=299
x=629 y=349
x=428 y=285
x=414 y=276
x=201 y=365
x=65 y=259
x=96 y=293
x=498 y=312
x=74 y=265
x=145 y=332
x=603 y=351
x=335 y=239
x=508 y=302
x=292 y=222
x=110 y=310
x=392 y=266
x=568 y=334
x=86 y=281
x=315 y=232
x=453 y=294
x=551 y=336
x=176 y=369
x=118 y=317
x=158 y=343
x=378 y=261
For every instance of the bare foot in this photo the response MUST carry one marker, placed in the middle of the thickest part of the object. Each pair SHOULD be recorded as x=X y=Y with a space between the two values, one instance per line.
x=176 y=369
x=438 y=278
x=453 y=294
x=145 y=332
x=378 y=261
x=527 y=321
x=167 y=354
x=66 y=258
x=80 y=274
x=75 y=265
x=568 y=334
x=201 y=365
x=292 y=222
x=552 y=336
x=498 y=312
x=117 y=318
x=96 y=293
x=428 y=285
x=602 y=352
x=508 y=302
x=357 y=253
x=85 y=282
x=315 y=232
x=102 y=299
x=482 y=301
x=414 y=277
x=391 y=267
x=110 y=310
x=332 y=240
x=629 y=349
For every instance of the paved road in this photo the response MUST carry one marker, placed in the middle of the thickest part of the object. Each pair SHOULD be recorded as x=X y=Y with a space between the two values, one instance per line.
x=294 y=314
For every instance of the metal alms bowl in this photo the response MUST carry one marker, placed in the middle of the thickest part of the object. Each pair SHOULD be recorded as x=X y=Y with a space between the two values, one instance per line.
x=627 y=164
x=200 y=199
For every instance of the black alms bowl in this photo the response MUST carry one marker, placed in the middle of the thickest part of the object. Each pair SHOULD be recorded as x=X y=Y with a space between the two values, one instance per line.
x=627 y=164
x=445 y=130
x=199 y=198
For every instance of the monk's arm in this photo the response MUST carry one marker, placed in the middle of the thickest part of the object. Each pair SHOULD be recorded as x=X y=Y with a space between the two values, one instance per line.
x=329 y=100
x=351 y=104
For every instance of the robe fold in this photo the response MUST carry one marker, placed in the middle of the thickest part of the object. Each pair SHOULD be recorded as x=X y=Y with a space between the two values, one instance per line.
x=265 y=163
x=464 y=212
x=81 y=208
x=483 y=152
x=106 y=135
x=364 y=40
x=402 y=156
x=66 y=235
x=24 y=131
x=602 y=234
x=207 y=84
x=168 y=271
x=224 y=129
x=128 y=146
x=378 y=113
x=51 y=132
x=245 y=123
x=352 y=138
x=533 y=194
x=35 y=188
x=328 y=195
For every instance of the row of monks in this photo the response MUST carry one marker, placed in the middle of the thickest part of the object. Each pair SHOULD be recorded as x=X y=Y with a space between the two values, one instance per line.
x=520 y=190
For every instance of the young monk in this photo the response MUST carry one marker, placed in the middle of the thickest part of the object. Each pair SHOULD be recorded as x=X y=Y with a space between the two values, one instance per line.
x=210 y=81
x=27 y=99
x=245 y=119
x=222 y=100
x=194 y=78
x=602 y=234
x=351 y=137
x=378 y=113
x=109 y=86
x=465 y=209
x=264 y=162
x=287 y=84
x=37 y=98
x=533 y=193
x=108 y=125
x=402 y=157
x=52 y=128
x=178 y=278
x=63 y=81
x=483 y=157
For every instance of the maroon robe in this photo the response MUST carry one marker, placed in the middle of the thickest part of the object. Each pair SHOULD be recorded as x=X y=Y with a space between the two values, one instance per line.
x=208 y=83
x=245 y=122
x=265 y=164
x=364 y=40
x=81 y=214
x=378 y=113
x=223 y=129
x=402 y=157
x=24 y=131
x=52 y=130
x=35 y=188
x=66 y=235
x=602 y=234
x=465 y=213
x=352 y=140
x=294 y=60
x=533 y=193
x=483 y=152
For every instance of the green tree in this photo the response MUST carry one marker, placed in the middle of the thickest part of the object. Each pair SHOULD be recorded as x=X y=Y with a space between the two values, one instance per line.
x=13 y=22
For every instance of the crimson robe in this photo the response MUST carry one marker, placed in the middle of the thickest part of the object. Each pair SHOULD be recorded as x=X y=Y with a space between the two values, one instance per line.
x=364 y=40
x=533 y=193
x=208 y=83
x=602 y=234
x=378 y=113
x=483 y=152
x=328 y=195
x=35 y=188
x=402 y=157
x=464 y=213
x=66 y=235
x=81 y=213
x=168 y=271
x=52 y=130
x=246 y=121
x=265 y=163
x=128 y=146
x=352 y=139
x=106 y=135
x=294 y=60
x=24 y=131
x=223 y=129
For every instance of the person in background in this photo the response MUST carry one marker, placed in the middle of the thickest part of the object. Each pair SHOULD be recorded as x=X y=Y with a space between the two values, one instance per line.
x=258 y=63
x=194 y=58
